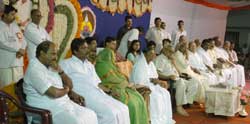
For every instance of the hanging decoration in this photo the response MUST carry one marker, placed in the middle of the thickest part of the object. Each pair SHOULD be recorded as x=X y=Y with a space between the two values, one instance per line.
x=133 y=7
x=77 y=6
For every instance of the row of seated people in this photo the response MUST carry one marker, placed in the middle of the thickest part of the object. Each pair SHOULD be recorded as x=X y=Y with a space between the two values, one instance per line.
x=78 y=68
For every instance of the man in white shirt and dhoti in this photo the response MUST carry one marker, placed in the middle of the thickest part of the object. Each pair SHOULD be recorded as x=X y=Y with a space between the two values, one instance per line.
x=186 y=89
x=85 y=82
x=145 y=73
x=182 y=65
x=239 y=68
x=46 y=86
x=198 y=65
x=231 y=71
x=12 y=48
x=34 y=33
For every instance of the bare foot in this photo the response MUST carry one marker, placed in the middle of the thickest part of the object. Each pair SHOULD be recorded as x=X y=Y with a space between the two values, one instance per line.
x=201 y=105
x=182 y=111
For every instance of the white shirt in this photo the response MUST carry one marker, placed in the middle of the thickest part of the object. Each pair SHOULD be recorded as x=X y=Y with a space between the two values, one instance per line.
x=152 y=72
x=77 y=68
x=196 y=61
x=164 y=65
x=155 y=34
x=233 y=54
x=166 y=35
x=221 y=53
x=37 y=81
x=131 y=35
x=34 y=35
x=176 y=36
x=205 y=57
x=11 y=40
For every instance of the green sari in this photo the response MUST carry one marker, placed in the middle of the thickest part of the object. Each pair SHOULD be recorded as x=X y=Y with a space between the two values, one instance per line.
x=117 y=82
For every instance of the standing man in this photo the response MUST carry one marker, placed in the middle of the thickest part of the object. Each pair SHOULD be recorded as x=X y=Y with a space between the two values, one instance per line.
x=34 y=33
x=125 y=28
x=179 y=32
x=12 y=48
x=155 y=34
x=165 y=34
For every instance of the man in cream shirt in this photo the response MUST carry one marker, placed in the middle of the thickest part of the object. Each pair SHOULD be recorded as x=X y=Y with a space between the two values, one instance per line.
x=34 y=33
x=185 y=89
x=12 y=48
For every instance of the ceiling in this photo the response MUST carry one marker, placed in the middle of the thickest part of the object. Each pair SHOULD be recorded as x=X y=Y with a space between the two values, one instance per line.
x=224 y=4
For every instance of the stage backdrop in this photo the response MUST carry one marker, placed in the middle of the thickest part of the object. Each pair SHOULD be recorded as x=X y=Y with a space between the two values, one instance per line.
x=200 y=21
x=107 y=24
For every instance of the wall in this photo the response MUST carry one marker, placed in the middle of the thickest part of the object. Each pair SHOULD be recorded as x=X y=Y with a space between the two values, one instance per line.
x=238 y=21
x=200 y=21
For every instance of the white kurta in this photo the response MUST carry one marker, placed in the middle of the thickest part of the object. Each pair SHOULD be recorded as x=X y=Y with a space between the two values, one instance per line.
x=240 y=72
x=85 y=82
x=160 y=103
x=183 y=66
x=185 y=89
x=176 y=36
x=34 y=35
x=37 y=80
x=155 y=34
x=11 y=40
x=131 y=35
x=196 y=62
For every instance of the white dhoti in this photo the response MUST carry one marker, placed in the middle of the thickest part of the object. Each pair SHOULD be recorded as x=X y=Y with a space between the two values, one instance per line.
x=240 y=75
x=185 y=91
x=10 y=75
x=108 y=110
x=72 y=113
x=160 y=105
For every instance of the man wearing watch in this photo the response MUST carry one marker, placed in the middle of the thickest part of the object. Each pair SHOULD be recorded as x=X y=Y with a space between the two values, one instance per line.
x=46 y=86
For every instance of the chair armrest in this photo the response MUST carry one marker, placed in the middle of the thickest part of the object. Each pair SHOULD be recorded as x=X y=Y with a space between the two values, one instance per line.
x=46 y=115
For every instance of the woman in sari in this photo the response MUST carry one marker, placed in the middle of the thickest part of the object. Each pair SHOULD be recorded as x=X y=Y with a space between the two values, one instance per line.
x=117 y=84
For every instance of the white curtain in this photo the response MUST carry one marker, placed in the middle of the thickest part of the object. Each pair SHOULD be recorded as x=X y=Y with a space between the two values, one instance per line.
x=200 y=21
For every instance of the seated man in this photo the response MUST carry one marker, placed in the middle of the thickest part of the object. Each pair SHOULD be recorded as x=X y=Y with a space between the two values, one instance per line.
x=198 y=66
x=185 y=88
x=183 y=67
x=117 y=84
x=144 y=73
x=46 y=86
x=85 y=83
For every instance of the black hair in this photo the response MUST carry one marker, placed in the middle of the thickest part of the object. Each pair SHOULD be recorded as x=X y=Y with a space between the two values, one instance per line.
x=130 y=49
x=44 y=46
x=166 y=40
x=180 y=21
x=127 y=17
x=89 y=39
x=76 y=43
x=157 y=18
x=108 y=39
x=8 y=9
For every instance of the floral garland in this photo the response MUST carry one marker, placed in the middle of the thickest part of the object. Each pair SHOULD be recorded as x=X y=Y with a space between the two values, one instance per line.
x=51 y=16
x=77 y=6
x=106 y=5
x=63 y=9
